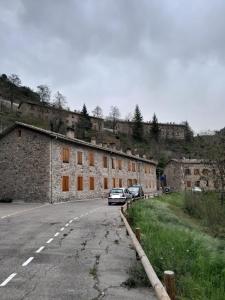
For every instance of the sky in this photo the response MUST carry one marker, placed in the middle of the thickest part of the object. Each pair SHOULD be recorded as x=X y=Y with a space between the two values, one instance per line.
x=166 y=56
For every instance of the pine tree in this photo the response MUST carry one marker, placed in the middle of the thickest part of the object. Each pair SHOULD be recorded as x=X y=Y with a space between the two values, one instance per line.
x=155 y=131
x=137 y=124
x=84 y=124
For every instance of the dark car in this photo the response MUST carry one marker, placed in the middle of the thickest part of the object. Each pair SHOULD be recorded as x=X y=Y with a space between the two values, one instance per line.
x=136 y=191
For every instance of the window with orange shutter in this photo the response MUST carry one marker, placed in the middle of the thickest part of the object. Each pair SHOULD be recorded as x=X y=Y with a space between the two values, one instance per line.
x=65 y=155
x=79 y=158
x=120 y=182
x=113 y=163
x=65 y=183
x=91 y=183
x=129 y=166
x=119 y=163
x=105 y=183
x=114 y=182
x=105 y=162
x=91 y=158
x=80 y=183
x=133 y=167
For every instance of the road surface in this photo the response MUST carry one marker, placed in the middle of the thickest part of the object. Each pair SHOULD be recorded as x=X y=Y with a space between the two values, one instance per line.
x=74 y=250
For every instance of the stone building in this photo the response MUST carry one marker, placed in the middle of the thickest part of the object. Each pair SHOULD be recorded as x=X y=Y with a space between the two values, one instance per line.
x=40 y=165
x=167 y=131
x=48 y=113
x=184 y=174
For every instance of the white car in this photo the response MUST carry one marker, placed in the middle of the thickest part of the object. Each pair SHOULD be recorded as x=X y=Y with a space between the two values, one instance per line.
x=119 y=195
x=196 y=189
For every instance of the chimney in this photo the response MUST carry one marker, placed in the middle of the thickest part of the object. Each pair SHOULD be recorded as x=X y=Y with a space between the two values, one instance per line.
x=129 y=151
x=144 y=156
x=93 y=140
x=100 y=144
x=112 y=146
x=137 y=154
x=70 y=133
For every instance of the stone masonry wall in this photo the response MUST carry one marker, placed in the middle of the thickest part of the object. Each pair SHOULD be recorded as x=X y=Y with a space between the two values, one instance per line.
x=24 y=166
x=72 y=169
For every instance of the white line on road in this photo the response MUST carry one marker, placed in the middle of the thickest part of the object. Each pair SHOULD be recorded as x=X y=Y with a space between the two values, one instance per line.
x=27 y=261
x=22 y=211
x=8 y=279
x=49 y=241
x=76 y=218
x=67 y=225
x=62 y=228
x=70 y=221
x=56 y=234
x=40 y=249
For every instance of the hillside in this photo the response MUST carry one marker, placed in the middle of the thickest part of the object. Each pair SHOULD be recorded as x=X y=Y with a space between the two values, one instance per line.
x=20 y=93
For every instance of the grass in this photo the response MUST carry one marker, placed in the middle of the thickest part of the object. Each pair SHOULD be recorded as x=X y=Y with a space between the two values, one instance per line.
x=174 y=241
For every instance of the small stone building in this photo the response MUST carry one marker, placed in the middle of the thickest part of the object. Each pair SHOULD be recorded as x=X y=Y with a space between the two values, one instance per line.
x=184 y=174
x=40 y=165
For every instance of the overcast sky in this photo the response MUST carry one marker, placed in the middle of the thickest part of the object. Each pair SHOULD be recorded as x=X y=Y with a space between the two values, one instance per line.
x=168 y=56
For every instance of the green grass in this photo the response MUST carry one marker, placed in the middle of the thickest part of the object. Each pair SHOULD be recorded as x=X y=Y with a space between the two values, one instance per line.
x=173 y=241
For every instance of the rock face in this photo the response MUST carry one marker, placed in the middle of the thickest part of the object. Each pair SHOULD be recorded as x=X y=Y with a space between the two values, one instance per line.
x=39 y=165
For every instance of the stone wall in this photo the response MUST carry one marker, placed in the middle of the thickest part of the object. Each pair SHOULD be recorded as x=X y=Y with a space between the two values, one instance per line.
x=188 y=173
x=24 y=166
x=73 y=170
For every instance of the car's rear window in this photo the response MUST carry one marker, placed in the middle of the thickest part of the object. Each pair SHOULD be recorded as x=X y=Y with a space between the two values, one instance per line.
x=116 y=191
x=133 y=189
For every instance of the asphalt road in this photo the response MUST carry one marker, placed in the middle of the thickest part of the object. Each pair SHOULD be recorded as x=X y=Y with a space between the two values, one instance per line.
x=74 y=250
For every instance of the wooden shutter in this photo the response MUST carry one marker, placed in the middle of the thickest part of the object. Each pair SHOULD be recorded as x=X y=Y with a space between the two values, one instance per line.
x=91 y=158
x=114 y=182
x=120 y=182
x=65 y=155
x=105 y=183
x=105 y=162
x=79 y=158
x=65 y=183
x=80 y=183
x=91 y=183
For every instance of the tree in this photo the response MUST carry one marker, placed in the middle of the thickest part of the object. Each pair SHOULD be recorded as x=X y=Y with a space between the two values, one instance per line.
x=59 y=101
x=14 y=81
x=188 y=133
x=44 y=93
x=84 y=124
x=97 y=112
x=114 y=115
x=155 y=131
x=137 y=124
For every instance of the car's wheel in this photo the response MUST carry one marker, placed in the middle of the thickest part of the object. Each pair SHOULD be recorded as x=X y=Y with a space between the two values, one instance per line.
x=109 y=203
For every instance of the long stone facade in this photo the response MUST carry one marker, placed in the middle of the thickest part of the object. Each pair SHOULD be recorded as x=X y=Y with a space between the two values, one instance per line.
x=184 y=174
x=40 y=165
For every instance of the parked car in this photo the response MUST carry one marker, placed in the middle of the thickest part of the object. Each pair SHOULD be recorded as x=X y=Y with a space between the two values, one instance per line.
x=136 y=191
x=196 y=189
x=119 y=195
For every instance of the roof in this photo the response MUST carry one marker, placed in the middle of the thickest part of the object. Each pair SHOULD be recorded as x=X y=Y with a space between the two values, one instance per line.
x=64 y=138
x=188 y=161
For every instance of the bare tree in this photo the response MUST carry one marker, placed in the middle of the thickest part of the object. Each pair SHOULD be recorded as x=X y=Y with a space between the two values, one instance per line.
x=97 y=112
x=44 y=93
x=14 y=82
x=114 y=115
x=59 y=101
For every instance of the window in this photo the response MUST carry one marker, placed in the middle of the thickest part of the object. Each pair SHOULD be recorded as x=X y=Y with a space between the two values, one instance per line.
x=91 y=183
x=105 y=183
x=134 y=181
x=65 y=183
x=113 y=163
x=205 y=172
x=105 y=162
x=188 y=183
x=19 y=132
x=129 y=182
x=114 y=182
x=120 y=182
x=65 y=155
x=196 y=172
x=80 y=183
x=91 y=158
x=145 y=169
x=197 y=183
x=79 y=158
x=187 y=172
x=129 y=166
x=138 y=167
x=133 y=167
x=119 y=164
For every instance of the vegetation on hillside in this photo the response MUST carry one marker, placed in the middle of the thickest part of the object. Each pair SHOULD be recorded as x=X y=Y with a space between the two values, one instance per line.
x=174 y=241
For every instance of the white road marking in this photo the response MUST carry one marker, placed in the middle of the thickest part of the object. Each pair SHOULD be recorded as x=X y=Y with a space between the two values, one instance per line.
x=49 y=241
x=67 y=224
x=62 y=228
x=22 y=211
x=70 y=221
x=40 y=249
x=8 y=279
x=57 y=233
x=76 y=218
x=27 y=261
